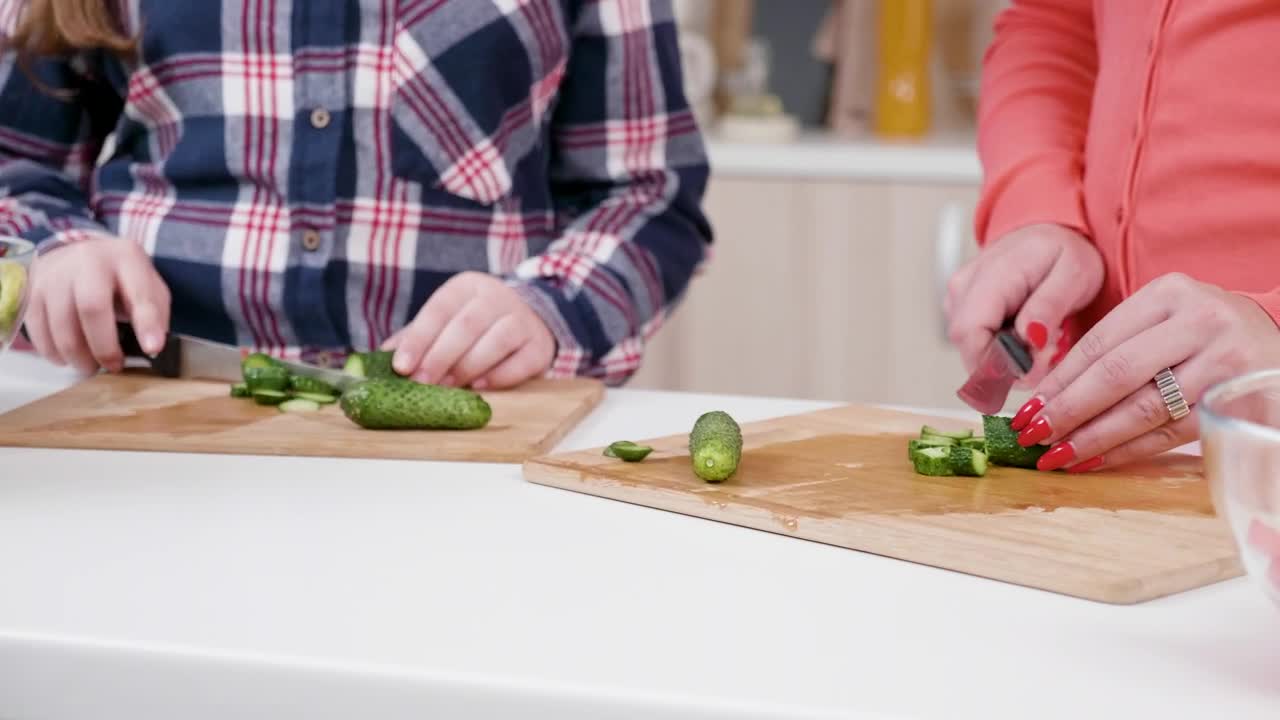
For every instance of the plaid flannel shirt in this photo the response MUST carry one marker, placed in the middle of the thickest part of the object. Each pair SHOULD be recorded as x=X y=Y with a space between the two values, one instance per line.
x=305 y=173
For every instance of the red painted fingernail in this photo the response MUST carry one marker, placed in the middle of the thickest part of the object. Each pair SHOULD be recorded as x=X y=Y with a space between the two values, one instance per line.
x=1028 y=411
x=1058 y=455
x=1064 y=346
x=1092 y=463
x=1038 y=334
x=1035 y=432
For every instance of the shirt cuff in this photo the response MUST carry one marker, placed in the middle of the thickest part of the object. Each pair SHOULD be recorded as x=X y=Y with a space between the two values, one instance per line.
x=570 y=358
x=1033 y=195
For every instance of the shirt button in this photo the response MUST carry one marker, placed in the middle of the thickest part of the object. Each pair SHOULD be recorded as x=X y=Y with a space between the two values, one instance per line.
x=1119 y=215
x=320 y=118
x=311 y=240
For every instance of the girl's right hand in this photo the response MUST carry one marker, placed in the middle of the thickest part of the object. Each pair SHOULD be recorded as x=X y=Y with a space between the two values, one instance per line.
x=76 y=293
x=1039 y=274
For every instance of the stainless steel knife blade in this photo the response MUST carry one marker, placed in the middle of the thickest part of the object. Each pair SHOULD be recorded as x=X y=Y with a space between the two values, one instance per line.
x=209 y=360
x=1004 y=361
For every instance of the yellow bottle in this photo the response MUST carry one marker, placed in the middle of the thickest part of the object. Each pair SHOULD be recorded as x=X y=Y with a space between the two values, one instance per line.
x=902 y=85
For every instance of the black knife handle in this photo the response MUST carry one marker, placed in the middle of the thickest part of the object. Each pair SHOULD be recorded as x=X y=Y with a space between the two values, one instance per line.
x=1016 y=349
x=167 y=363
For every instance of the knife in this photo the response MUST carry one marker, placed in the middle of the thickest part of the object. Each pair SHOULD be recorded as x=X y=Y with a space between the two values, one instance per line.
x=1003 y=362
x=192 y=357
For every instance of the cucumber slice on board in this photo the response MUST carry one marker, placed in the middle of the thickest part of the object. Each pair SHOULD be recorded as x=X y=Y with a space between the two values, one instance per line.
x=953 y=434
x=628 y=451
x=299 y=405
x=269 y=397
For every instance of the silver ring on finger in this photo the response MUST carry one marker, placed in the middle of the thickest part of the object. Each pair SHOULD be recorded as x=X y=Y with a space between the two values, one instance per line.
x=1171 y=392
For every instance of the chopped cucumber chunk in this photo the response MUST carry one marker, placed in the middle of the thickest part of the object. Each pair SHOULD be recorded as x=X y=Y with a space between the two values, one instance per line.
x=954 y=435
x=269 y=397
x=628 y=451
x=299 y=404
x=932 y=461
x=272 y=377
x=257 y=360
x=301 y=384
x=354 y=365
x=318 y=398
x=1003 y=447
x=967 y=461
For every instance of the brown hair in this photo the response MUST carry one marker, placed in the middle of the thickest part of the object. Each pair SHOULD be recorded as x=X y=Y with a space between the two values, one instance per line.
x=58 y=27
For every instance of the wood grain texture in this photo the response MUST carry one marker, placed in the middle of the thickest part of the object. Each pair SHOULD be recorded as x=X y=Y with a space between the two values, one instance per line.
x=841 y=477
x=141 y=412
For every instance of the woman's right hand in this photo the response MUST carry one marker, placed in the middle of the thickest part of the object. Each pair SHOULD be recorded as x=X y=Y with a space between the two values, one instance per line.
x=76 y=293
x=1039 y=274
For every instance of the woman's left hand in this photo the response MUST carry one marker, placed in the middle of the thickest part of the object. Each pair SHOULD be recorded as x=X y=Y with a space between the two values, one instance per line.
x=474 y=330
x=1100 y=407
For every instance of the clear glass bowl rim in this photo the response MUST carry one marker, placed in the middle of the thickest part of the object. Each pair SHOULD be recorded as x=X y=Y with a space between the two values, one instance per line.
x=1234 y=387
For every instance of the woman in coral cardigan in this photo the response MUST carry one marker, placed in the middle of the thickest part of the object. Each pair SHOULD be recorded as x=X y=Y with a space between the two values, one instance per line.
x=1129 y=217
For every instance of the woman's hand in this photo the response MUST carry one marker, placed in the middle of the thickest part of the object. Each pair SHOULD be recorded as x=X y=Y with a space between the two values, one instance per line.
x=1100 y=406
x=77 y=292
x=474 y=330
x=1043 y=273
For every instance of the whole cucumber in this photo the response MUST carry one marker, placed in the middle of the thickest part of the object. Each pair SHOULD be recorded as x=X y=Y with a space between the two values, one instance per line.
x=402 y=404
x=715 y=446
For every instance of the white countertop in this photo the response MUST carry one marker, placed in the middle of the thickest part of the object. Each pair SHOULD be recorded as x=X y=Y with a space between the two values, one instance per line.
x=139 y=586
x=943 y=158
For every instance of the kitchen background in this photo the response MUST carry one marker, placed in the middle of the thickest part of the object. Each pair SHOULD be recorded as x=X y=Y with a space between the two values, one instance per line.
x=844 y=175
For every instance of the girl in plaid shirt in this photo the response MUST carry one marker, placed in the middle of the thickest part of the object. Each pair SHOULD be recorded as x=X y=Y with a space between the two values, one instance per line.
x=495 y=189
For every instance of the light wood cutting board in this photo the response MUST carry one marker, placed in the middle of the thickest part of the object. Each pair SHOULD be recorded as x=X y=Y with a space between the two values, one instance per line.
x=142 y=412
x=842 y=477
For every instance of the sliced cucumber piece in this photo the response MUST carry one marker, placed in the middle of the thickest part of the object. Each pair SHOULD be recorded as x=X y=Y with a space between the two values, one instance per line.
x=916 y=444
x=317 y=398
x=1003 y=447
x=301 y=384
x=954 y=435
x=933 y=461
x=977 y=443
x=272 y=377
x=257 y=360
x=967 y=461
x=939 y=439
x=354 y=365
x=299 y=404
x=269 y=397
x=627 y=451
x=240 y=390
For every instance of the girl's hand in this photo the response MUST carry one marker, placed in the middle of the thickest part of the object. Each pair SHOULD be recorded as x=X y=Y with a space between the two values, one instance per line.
x=474 y=330
x=1100 y=406
x=1043 y=273
x=77 y=292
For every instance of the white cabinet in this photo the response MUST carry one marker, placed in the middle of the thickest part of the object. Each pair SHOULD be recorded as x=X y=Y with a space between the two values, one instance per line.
x=824 y=288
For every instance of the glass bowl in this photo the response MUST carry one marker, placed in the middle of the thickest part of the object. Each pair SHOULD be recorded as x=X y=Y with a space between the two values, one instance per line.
x=16 y=259
x=1240 y=439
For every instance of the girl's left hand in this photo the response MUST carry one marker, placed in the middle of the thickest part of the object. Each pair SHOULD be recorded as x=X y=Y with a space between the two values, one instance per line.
x=474 y=330
x=1100 y=406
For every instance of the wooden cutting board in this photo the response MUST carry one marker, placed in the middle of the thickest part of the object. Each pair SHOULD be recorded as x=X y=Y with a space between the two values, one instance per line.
x=142 y=412
x=842 y=477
